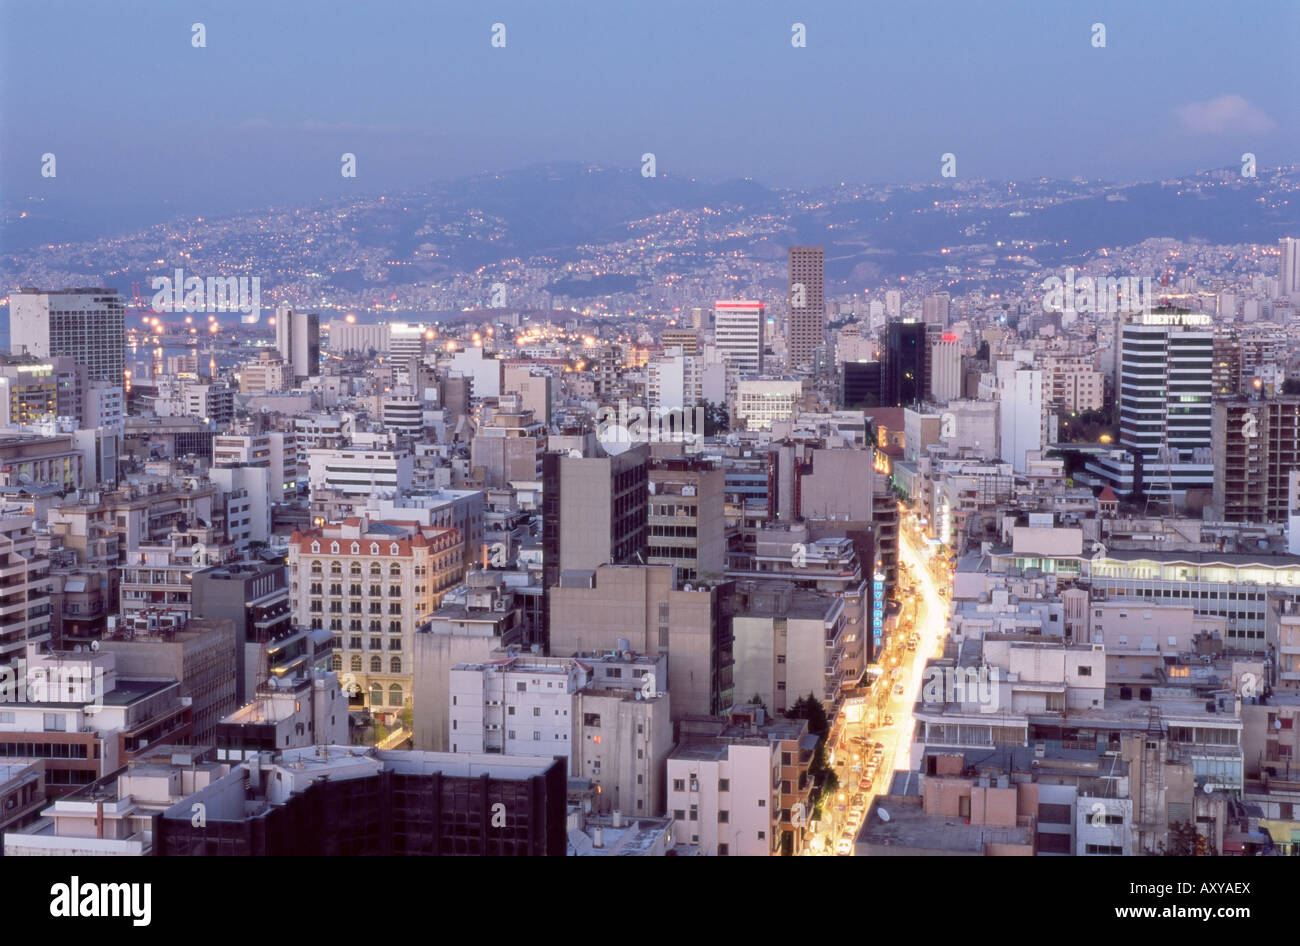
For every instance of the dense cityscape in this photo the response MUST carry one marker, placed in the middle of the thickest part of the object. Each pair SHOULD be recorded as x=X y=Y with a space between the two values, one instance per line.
x=582 y=509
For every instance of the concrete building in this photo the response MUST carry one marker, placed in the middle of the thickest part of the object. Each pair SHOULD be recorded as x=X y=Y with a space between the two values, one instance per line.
x=75 y=712
x=1021 y=421
x=473 y=622
x=1257 y=443
x=509 y=446
x=265 y=374
x=686 y=523
x=361 y=471
x=25 y=594
x=199 y=654
x=807 y=276
x=735 y=784
x=593 y=510
x=254 y=596
x=594 y=610
x=86 y=324
x=297 y=338
x=787 y=643
x=760 y=402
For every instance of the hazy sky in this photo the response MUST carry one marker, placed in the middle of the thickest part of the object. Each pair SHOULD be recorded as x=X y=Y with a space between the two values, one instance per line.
x=143 y=123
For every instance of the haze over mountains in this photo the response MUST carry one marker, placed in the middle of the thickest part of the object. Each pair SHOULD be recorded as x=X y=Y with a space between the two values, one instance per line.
x=561 y=212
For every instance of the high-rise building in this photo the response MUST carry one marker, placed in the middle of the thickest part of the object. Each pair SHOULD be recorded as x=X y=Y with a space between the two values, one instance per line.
x=86 y=324
x=1256 y=448
x=807 y=303
x=594 y=511
x=1289 y=267
x=903 y=378
x=934 y=309
x=1166 y=387
x=738 y=334
x=893 y=304
x=1020 y=397
x=297 y=336
x=945 y=368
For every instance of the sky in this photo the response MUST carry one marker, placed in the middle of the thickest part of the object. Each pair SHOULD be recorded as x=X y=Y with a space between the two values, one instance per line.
x=143 y=125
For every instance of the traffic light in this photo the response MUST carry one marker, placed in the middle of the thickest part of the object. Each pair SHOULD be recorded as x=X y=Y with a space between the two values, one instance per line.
x=1202 y=846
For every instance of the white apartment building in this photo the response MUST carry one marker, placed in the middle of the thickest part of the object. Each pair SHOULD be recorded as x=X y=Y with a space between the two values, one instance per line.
x=1022 y=421
x=762 y=401
x=275 y=450
x=358 y=471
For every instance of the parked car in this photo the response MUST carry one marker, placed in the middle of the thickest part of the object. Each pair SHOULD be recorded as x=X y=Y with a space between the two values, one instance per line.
x=898 y=690
x=844 y=846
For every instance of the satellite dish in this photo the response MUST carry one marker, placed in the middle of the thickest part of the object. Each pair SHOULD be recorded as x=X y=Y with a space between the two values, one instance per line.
x=575 y=454
x=78 y=649
x=94 y=645
x=615 y=439
x=884 y=815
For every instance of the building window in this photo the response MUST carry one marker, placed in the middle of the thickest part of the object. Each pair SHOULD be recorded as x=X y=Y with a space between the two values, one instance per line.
x=394 y=695
x=537 y=735
x=356 y=664
x=723 y=850
x=395 y=665
x=336 y=662
x=376 y=695
x=537 y=711
x=376 y=665
x=723 y=816
x=679 y=784
x=695 y=812
x=679 y=815
x=724 y=784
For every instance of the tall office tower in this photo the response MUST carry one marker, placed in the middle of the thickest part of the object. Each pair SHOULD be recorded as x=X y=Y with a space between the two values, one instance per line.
x=893 y=303
x=945 y=368
x=594 y=511
x=807 y=304
x=738 y=334
x=86 y=324
x=1256 y=448
x=297 y=336
x=903 y=378
x=1165 y=392
x=934 y=309
x=1289 y=267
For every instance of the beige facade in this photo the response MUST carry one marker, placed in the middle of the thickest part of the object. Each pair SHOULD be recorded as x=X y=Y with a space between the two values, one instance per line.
x=372 y=584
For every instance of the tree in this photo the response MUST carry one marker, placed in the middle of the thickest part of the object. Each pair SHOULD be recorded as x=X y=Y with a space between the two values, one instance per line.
x=716 y=419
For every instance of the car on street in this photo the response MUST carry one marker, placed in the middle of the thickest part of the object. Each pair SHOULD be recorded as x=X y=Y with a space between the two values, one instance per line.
x=866 y=783
x=898 y=690
x=844 y=846
x=889 y=719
